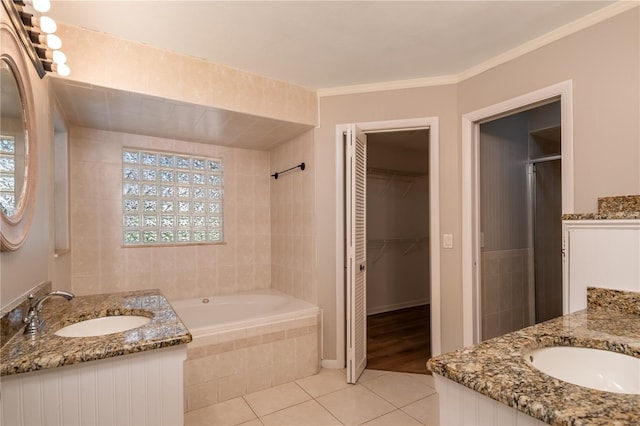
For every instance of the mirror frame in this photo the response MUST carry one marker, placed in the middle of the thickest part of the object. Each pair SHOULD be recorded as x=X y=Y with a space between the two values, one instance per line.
x=14 y=229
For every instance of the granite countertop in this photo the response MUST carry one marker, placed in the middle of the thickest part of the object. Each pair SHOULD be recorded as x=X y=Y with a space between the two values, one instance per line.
x=496 y=367
x=617 y=207
x=23 y=354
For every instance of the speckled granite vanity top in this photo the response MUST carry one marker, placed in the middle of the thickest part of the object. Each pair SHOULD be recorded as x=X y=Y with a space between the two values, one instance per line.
x=496 y=367
x=620 y=207
x=21 y=354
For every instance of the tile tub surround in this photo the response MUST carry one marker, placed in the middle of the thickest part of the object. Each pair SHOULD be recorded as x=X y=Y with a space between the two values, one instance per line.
x=619 y=207
x=495 y=368
x=22 y=354
x=230 y=364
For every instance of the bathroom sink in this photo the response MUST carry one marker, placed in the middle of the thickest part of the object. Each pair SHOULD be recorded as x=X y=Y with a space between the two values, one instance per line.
x=592 y=368
x=103 y=325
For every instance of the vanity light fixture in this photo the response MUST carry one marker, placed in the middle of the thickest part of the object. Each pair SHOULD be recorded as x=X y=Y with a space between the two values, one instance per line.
x=36 y=33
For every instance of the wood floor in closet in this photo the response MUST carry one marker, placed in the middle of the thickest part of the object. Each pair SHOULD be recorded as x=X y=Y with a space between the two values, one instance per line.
x=399 y=340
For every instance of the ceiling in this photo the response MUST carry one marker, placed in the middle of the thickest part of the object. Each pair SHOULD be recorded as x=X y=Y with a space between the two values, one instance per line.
x=328 y=44
x=316 y=44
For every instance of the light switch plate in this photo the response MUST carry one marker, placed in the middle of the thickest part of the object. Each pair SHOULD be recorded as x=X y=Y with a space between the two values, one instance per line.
x=447 y=241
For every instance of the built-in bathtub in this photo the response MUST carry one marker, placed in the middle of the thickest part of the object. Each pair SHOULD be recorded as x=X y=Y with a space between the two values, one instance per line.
x=246 y=342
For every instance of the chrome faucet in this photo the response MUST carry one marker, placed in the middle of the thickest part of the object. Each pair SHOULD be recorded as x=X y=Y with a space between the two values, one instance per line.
x=33 y=321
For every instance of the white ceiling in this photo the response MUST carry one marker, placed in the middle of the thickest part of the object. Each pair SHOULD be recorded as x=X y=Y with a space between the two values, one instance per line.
x=328 y=44
x=317 y=44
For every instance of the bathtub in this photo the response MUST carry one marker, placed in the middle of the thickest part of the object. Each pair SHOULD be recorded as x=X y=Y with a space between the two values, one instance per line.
x=246 y=342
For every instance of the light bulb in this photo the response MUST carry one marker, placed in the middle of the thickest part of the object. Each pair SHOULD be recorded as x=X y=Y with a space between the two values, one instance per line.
x=62 y=69
x=47 y=24
x=53 y=41
x=41 y=5
x=59 y=57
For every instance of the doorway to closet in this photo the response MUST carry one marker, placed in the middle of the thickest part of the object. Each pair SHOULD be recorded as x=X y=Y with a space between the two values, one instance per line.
x=520 y=188
x=398 y=269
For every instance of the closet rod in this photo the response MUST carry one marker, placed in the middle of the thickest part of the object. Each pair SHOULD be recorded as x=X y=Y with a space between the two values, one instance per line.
x=276 y=174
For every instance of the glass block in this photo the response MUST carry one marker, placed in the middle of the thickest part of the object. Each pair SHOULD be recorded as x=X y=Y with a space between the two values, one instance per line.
x=8 y=203
x=150 y=221
x=214 y=221
x=183 y=206
x=167 y=221
x=149 y=190
x=183 y=221
x=198 y=207
x=183 y=191
x=166 y=191
x=215 y=165
x=182 y=177
x=7 y=183
x=130 y=205
x=198 y=179
x=150 y=206
x=198 y=192
x=150 y=236
x=198 y=221
x=167 y=236
x=215 y=193
x=214 y=208
x=149 y=174
x=198 y=163
x=131 y=173
x=183 y=162
x=131 y=189
x=166 y=206
x=131 y=221
x=149 y=159
x=166 y=160
x=7 y=164
x=8 y=146
x=199 y=235
x=132 y=237
x=183 y=235
x=215 y=235
x=166 y=176
x=130 y=157
x=215 y=180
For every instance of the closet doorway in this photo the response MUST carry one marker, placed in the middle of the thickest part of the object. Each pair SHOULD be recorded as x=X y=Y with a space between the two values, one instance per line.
x=398 y=269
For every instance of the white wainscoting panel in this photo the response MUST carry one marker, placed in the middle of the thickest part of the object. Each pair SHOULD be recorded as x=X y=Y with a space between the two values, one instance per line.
x=461 y=406
x=137 y=389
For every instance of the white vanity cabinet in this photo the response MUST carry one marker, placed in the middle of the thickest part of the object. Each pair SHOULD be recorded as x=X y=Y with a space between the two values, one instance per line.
x=599 y=253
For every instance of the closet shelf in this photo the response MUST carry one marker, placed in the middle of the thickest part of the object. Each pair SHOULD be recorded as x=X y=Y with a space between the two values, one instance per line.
x=391 y=176
x=382 y=243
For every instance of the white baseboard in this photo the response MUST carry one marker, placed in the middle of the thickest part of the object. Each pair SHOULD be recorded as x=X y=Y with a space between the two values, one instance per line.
x=331 y=363
x=387 y=308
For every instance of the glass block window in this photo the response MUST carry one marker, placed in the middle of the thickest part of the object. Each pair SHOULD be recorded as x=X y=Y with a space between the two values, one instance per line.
x=170 y=198
x=7 y=175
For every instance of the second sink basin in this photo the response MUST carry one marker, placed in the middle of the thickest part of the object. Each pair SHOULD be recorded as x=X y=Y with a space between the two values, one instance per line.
x=591 y=368
x=103 y=325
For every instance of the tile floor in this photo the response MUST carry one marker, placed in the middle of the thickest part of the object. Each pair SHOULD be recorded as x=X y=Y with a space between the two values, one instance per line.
x=380 y=398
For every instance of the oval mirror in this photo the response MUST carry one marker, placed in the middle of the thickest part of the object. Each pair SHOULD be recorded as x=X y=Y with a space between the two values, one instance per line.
x=17 y=146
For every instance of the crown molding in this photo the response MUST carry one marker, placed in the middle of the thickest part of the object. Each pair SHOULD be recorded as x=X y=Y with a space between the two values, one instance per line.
x=586 y=21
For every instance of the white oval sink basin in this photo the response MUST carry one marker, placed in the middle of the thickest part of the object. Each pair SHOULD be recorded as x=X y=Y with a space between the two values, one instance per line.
x=103 y=325
x=592 y=368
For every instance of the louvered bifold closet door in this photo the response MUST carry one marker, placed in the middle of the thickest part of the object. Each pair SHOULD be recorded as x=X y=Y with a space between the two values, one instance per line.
x=357 y=252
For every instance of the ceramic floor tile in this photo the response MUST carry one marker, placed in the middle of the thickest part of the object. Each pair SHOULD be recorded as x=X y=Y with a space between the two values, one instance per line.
x=399 y=389
x=228 y=413
x=427 y=379
x=308 y=413
x=371 y=374
x=273 y=399
x=425 y=410
x=254 y=422
x=394 y=418
x=355 y=405
x=327 y=381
